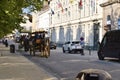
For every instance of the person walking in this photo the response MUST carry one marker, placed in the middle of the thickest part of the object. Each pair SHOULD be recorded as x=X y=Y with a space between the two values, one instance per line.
x=11 y=44
x=26 y=43
x=82 y=41
x=6 y=42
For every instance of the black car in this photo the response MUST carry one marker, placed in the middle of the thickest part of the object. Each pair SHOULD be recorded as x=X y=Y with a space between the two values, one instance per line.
x=52 y=45
x=110 y=45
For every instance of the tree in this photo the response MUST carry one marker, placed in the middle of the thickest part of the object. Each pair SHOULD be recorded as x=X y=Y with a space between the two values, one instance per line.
x=10 y=13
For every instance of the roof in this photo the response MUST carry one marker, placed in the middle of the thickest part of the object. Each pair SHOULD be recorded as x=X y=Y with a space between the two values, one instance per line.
x=113 y=32
x=39 y=32
x=103 y=75
x=109 y=2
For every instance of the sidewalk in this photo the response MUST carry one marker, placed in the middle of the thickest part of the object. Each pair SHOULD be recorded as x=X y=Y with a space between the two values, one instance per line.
x=14 y=66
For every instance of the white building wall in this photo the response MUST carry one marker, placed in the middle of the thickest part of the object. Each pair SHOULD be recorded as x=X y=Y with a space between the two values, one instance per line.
x=34 y=18
x=26 y=25
x=57 y=35
x=44 y=20
x=41 y=19
x=74 y=18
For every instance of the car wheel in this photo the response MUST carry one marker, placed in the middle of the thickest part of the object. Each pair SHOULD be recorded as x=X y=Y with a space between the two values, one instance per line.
x=54 y=47
x=63 y=50
x=119 y=57
x=69 y=51
x=82 y=52
x=100 y=56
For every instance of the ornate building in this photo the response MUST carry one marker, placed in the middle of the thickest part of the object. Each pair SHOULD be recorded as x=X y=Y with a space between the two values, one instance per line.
x=111 y=14
x=73 y=19
x=41 y=18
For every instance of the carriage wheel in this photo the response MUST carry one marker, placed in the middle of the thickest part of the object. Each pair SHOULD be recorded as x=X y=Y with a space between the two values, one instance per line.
x=33 y=50
x=30 y=50
x=42 y=50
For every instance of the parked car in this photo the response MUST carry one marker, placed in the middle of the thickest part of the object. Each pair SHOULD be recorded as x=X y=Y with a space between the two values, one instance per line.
x=110 y=45
x=73 y=46
x=53 y=45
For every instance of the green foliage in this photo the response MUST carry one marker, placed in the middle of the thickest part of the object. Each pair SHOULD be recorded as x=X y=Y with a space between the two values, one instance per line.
x=10 y=13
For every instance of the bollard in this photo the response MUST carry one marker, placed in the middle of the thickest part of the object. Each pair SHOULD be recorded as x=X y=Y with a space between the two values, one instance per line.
x=12 y=48
x=89 y=51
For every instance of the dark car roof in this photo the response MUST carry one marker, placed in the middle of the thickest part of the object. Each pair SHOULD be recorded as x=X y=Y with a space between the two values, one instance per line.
x=113 y=36
x=73 y=41
x=113 y=32
x=39 y=32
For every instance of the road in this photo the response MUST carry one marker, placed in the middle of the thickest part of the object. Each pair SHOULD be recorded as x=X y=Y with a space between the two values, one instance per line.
x=66 y=66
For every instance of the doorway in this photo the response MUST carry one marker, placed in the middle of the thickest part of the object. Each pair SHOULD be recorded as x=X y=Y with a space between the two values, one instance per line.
x=96 y=35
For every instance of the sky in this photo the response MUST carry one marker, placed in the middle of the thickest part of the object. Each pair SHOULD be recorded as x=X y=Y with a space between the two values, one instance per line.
x=25 y=10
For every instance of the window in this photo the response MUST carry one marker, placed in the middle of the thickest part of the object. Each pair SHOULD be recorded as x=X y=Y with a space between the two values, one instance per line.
x=108 y=18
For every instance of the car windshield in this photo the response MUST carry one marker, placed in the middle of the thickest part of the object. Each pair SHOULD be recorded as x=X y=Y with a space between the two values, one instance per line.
x=76 y=42
x=51 y=42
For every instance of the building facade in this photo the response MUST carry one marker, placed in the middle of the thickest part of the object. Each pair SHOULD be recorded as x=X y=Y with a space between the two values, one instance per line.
x=111 y=15
x=27 y=25
x=72 y=19
x=41 y=18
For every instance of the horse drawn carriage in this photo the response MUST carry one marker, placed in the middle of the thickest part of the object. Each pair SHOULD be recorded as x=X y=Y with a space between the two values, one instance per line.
x=39 y=42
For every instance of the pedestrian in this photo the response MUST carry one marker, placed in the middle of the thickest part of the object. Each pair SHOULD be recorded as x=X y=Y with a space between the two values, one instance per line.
x=6 y=42
x=82 y=41
x=26 y=43
x=12 y=45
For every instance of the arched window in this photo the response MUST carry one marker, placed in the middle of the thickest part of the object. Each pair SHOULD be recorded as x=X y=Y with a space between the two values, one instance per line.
x=108 y=18
x=119 y=23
